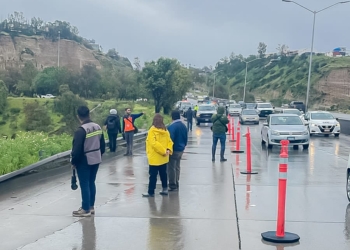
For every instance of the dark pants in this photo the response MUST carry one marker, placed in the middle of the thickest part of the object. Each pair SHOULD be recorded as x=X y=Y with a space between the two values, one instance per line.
x=189 y=125
x=222 y=138
x=129 y=138
x=112 y=137
x=153 y=173
x=87 y=176
x=174 y=170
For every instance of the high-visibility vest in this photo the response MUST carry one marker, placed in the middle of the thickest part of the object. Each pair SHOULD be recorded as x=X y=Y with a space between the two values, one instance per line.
x=128 y=126
x=92 y=143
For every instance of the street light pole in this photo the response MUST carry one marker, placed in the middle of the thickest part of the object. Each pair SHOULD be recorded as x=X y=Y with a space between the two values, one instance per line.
x=246 y=74
x=214 y=82
x=58 y=49
x=312 y=42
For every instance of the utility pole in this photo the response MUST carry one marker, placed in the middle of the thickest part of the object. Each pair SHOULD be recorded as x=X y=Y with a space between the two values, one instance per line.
x=58 y=49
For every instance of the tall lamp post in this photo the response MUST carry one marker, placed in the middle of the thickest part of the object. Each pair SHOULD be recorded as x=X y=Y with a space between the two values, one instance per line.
x=312 y=42
x=58 y=49
x=246 y=73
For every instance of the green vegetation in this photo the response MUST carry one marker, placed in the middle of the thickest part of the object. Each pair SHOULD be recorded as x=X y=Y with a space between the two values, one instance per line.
x=278 y=78
x=25 y=149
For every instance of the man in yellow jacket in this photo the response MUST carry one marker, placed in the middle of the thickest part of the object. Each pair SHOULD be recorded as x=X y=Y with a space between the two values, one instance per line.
x=158 y=148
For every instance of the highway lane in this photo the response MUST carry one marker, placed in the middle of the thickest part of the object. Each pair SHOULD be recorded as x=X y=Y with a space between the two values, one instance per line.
x=317 y=207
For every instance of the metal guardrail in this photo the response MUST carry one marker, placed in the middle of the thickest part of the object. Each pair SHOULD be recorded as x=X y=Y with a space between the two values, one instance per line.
x=63 y=157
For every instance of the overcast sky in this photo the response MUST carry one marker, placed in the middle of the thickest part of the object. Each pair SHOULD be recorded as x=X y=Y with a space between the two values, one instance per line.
x=197 y=32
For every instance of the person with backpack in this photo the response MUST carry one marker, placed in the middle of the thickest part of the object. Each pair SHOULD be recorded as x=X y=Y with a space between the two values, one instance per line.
x=219 y=129
x=113 y=127
x=129 y=129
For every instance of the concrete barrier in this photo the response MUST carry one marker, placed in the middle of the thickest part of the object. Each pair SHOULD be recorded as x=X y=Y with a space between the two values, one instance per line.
x=63 y=158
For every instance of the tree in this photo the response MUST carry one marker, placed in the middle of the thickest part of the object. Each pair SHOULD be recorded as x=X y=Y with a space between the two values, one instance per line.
x=89 y=81
x=262 y=49
x=3 y=96
x=160 y=81
x=282 y=49
x=67 y=104
x=25 y=86
x=37 y=117
x=46 y=82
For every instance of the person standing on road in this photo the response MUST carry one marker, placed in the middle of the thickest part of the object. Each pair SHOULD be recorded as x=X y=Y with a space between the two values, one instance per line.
x=129 y=129
x=158 y=148
x=86 y=156
x=195 y=110
x=179 y=136
x=189 y=117
x=112 y=125
x=219 y=129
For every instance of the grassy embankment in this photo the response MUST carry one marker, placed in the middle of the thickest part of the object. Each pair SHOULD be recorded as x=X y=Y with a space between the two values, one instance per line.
x=24 y=149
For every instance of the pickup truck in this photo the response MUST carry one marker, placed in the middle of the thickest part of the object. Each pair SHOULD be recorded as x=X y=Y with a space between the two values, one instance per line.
x=297 y=105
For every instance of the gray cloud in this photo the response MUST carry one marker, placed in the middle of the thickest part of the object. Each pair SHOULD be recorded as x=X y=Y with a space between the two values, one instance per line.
x=196 y=32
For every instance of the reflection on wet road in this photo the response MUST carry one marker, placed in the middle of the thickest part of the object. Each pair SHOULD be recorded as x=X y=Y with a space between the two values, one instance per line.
x=35 y=210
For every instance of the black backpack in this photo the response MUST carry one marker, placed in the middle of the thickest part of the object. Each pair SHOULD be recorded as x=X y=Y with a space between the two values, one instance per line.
x=111 y=123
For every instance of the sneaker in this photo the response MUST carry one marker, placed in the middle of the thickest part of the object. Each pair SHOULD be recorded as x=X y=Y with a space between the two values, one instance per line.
x=81 y=213
x=126 y=154
x=173 y=189
x=164 y=191
x=92 y=210
x=213 y=159
x=223 y=159
x=146 y=195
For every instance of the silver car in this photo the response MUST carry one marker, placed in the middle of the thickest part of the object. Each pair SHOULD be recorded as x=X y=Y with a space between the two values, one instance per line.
x=234 y=109
x=249 y=115
x=322 y=122
x=285 y=127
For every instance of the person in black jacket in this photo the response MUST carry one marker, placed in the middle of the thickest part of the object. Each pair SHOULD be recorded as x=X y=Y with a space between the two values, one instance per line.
x=189 y=117
x=86 y=156
x=112 y=125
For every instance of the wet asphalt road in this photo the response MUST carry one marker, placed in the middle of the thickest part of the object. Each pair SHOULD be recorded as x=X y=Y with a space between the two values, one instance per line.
x=201 y=215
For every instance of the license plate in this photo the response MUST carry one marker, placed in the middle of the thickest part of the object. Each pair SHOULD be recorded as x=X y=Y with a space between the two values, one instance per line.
x=206 y=120
x=326 y=130
x=290 y=138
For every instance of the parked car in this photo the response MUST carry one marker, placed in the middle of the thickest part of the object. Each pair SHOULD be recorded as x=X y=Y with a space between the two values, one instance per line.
x=249 y=115
x=48 y=96
x=322 y=122
x=234 y=109
x=184 y=105
x=264 y=109
x=204 y=113
x=285 y=127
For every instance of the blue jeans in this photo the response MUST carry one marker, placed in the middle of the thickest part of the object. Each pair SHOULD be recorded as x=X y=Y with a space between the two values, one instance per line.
x=87 y=176
x=222 y=138
x=189 y=125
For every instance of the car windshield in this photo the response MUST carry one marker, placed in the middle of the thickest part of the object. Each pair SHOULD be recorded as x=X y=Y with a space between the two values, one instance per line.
x=264 y=105
x=206 y=108
x=251 y=105
x=249 y=112
x=286 y=120
x=322 y=116
x=292 y=111
x=235 y=106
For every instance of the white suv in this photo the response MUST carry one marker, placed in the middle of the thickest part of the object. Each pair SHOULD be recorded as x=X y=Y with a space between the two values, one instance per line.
x=322 y=122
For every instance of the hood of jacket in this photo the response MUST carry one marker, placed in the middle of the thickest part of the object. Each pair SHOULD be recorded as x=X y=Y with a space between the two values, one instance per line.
x=221 y=110
x=158 y=130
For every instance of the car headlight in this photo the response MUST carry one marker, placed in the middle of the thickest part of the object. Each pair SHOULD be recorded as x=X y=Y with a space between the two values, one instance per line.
x=273 y=132
x=338 y=124
x=314 y=125
x=306 y=132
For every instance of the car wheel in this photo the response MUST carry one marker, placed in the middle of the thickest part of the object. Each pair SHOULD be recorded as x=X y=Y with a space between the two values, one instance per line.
x=326 y=135
x=242 y=123
x=336 y=135
x=306 y=146
x=295 y=147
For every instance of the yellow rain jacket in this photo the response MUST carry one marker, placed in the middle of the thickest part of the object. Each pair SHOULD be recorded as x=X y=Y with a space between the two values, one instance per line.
x=157 y=143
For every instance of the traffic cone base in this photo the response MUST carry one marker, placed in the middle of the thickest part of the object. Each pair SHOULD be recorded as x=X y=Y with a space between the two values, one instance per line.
x=237 y=151
x=245 y=172
x=270 y=236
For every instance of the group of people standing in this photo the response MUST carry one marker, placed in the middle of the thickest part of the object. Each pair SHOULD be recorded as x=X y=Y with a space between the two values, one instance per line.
x=164 y=148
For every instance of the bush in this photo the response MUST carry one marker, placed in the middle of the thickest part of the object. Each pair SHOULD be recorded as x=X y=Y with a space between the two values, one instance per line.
x=2 y=123
x=15 y=110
